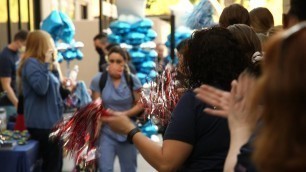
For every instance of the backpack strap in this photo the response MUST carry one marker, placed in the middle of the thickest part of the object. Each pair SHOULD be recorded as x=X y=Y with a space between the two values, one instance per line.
x=130 y=83
x=102 y=81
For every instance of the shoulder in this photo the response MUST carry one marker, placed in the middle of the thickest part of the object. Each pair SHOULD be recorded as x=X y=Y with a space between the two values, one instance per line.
x=133 y=76
x=136 y=82
x=189 y=105
x=31 y=60
x=4 y=54
x=94 y=85
x=7 y=53
x=32 y=64
x=97 y=76
x=189 y=96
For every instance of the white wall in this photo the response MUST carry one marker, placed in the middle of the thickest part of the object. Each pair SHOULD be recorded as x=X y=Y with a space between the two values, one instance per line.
x=162 y=28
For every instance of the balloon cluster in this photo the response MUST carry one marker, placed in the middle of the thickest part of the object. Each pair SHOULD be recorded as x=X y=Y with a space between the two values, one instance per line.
x=139 y=37
x=62 y=30
x=180 y=34
x=201 y=16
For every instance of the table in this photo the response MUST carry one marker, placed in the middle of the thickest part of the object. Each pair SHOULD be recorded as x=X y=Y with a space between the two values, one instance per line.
x=23 y=158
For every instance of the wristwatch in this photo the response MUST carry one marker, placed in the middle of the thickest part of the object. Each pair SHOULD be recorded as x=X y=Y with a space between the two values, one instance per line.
x=131 y=134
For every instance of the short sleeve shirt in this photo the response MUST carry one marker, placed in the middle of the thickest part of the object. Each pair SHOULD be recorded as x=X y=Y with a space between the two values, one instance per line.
x=8 y=60
x=209 y=135
x=119 y=99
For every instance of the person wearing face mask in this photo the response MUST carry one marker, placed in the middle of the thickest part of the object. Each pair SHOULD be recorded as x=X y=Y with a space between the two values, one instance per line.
x=119 y=97
x=100 y=43
x=43 y=105
x=8 y=59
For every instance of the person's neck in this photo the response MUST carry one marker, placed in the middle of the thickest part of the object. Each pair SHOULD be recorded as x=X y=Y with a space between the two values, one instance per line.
x=13 y=46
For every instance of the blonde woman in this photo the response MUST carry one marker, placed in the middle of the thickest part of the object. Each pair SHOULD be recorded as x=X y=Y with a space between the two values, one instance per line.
x=42 y=99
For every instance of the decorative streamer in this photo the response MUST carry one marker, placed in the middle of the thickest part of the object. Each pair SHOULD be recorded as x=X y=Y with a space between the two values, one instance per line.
x=81 y=131
x=161 y=97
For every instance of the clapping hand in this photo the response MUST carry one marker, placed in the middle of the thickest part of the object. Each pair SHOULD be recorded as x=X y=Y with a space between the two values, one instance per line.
x=234 y=105
x=219 y=99
x=118 y=121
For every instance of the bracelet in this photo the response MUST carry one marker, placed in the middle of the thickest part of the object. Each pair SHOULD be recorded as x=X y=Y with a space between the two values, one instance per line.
x=131 y=134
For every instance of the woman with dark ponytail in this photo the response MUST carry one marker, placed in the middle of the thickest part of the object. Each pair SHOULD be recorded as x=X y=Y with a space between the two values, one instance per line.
x=119 y=91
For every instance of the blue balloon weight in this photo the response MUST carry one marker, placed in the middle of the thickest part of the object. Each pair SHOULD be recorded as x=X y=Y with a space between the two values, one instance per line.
x=79 y=54
x=112 y=38
x=120 y=27
x=52 y=24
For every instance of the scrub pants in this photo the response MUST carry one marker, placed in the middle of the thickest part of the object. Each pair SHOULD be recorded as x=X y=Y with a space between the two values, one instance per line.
x=109 y=148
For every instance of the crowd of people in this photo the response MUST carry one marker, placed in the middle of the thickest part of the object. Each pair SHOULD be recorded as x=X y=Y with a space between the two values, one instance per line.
x=241 y=108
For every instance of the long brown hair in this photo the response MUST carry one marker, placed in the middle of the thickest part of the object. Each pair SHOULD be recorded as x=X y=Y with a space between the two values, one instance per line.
x=281 y=143
x=37 y=44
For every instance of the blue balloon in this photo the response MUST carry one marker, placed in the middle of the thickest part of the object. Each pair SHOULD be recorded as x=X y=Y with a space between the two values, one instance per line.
x=52 y=24
x=176 y=36
x=153 y=74
x=168 y=44
x=120 y=27
x=144 y=23
x=60 y=57
x=135 y=38
x=112 y=38
x=145 y=71
x=137 y=56
x=152 y=55
x=79 y=54
x=149 y=129
x=68 y=30
x=69 y=55
x=151 y=35
x=169 y=60
x=149 y=65
x=183 y=36
x=141 y=30
x=141 y=76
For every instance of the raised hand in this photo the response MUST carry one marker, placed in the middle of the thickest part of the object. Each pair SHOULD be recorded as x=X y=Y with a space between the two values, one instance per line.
x=240 y=113
x=217 y=98
x=119 y=123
